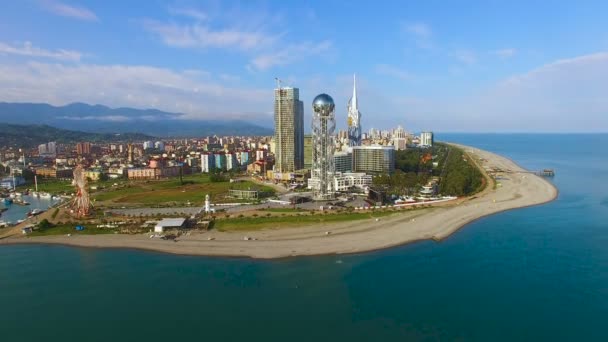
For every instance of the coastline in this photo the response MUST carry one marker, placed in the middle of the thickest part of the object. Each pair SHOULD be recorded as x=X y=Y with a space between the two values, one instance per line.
x=516 y=190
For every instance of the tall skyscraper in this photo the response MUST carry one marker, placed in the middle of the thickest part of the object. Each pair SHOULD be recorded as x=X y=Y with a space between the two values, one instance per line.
x=288 y=130
x=354 y=118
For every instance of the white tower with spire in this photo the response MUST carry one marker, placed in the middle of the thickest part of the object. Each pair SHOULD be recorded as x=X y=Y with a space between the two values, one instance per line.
x=354 y=118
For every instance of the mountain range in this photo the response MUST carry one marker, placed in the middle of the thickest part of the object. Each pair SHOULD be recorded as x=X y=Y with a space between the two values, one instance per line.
x=103 y=119
x=34 y=135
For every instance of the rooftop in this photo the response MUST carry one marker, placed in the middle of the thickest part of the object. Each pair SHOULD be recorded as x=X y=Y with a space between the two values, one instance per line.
x=171 y=222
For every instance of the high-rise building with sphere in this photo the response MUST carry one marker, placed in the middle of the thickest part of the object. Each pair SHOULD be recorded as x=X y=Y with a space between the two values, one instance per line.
x=323 y=146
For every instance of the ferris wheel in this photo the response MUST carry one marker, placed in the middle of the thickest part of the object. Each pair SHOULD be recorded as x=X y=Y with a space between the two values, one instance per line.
x=81 y=204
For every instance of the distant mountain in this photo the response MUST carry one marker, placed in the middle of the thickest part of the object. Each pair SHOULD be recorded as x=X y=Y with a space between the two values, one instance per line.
x=34 y=135
x=102 y=119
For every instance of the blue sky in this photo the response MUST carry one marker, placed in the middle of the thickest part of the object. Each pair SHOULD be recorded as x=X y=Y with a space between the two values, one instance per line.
x=434 y=65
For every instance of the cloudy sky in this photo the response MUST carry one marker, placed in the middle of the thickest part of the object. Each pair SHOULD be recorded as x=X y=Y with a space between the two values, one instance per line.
x=487 y=66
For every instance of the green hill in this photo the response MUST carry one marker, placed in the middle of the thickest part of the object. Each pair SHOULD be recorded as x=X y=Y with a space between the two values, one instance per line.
x=33 y=135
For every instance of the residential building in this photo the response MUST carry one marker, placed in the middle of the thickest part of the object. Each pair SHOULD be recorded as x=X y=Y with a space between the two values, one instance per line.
x=343 y=161
x=426 y=139
x=153 y=173
x=51 y=172
x=220 y=161
x=400 y=143
x=374 y=159
x=83 y=148
x=148 y=145
x=308 y=151
x=207 y=162
x=231 y=162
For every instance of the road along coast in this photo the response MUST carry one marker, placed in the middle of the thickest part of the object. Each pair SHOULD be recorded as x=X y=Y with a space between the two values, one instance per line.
x=515 y=188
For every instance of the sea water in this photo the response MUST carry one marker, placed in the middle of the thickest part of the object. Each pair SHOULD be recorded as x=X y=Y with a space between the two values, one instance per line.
x=538 y=273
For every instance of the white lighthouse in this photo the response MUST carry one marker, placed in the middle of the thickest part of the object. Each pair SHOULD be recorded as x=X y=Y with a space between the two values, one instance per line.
x=207 y=204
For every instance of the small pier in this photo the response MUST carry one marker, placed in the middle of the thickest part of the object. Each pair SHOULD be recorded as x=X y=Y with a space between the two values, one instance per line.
x=545 y=173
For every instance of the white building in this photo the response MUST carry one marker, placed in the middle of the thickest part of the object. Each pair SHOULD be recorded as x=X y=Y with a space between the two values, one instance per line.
x=426 y=139
x=159 y=145
x=207 y=162
x=400 y=143
x=345 y=181
x=231 y=161
x=169 y=223
x=148 y=144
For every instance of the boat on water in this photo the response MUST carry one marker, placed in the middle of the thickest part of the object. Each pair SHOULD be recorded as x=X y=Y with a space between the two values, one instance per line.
x=34 y=212
x=20 y=202
x=45 y=195
x=4 y=224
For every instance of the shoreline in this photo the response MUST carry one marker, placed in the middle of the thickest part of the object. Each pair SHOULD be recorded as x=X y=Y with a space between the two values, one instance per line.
x=517 y=189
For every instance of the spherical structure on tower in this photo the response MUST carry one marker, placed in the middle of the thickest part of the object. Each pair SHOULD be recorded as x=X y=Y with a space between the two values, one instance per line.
x=323 y=104
x=323 y=168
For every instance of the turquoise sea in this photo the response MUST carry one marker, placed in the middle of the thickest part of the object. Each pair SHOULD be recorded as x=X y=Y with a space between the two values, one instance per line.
x=533 y=274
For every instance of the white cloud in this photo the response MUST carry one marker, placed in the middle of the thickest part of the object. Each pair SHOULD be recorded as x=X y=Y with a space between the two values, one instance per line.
x=567 y=95
x=290 y=54
x=132 y=86
x=189 y=12
x=203 y=36
x=419 y=29
x=259 y=36
x=421 y=34
x=465 y=56
x=65 y=10
x=389 y=70
x=27 y=49
x=504 y=53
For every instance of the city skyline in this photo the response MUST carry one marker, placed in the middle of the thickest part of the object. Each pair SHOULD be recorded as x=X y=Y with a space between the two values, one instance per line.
x=445 y=67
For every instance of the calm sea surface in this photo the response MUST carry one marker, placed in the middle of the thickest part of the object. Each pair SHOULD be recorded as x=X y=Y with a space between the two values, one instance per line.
x=532 y=274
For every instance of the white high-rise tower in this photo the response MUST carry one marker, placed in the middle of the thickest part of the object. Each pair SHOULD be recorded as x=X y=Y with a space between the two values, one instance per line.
x=354 y=118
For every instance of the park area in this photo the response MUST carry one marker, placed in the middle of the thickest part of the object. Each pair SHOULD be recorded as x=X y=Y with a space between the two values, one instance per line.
x=190 y=189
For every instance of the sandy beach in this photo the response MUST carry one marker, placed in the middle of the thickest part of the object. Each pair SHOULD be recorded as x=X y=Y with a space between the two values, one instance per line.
x=515 y=189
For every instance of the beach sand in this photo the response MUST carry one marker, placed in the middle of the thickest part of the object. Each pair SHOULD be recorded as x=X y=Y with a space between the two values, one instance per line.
x=516 y=189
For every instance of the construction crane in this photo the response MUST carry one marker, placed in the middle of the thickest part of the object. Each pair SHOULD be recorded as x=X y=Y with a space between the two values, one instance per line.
x=278 y=82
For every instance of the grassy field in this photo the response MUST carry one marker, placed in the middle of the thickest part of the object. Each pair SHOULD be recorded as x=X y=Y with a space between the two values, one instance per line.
x=194 y=189
x=262 y=222
x=52 y=186
x=55 y=186
x=69 y=229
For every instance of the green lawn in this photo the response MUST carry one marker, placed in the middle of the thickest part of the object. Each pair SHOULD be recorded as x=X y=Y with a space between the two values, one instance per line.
x=70 y=229
x=52 y=186
x=263 y=222
x=194 y=189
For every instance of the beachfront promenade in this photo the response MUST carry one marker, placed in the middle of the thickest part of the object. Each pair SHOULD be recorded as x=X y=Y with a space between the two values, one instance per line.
x=515 y=189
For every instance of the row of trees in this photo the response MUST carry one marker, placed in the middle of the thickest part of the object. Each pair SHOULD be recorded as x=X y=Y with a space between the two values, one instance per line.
x=461 y=177
x=458 y=176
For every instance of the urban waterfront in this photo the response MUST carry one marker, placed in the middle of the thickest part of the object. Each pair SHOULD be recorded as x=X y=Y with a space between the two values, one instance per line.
x=16 y=212
x=538 y=273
